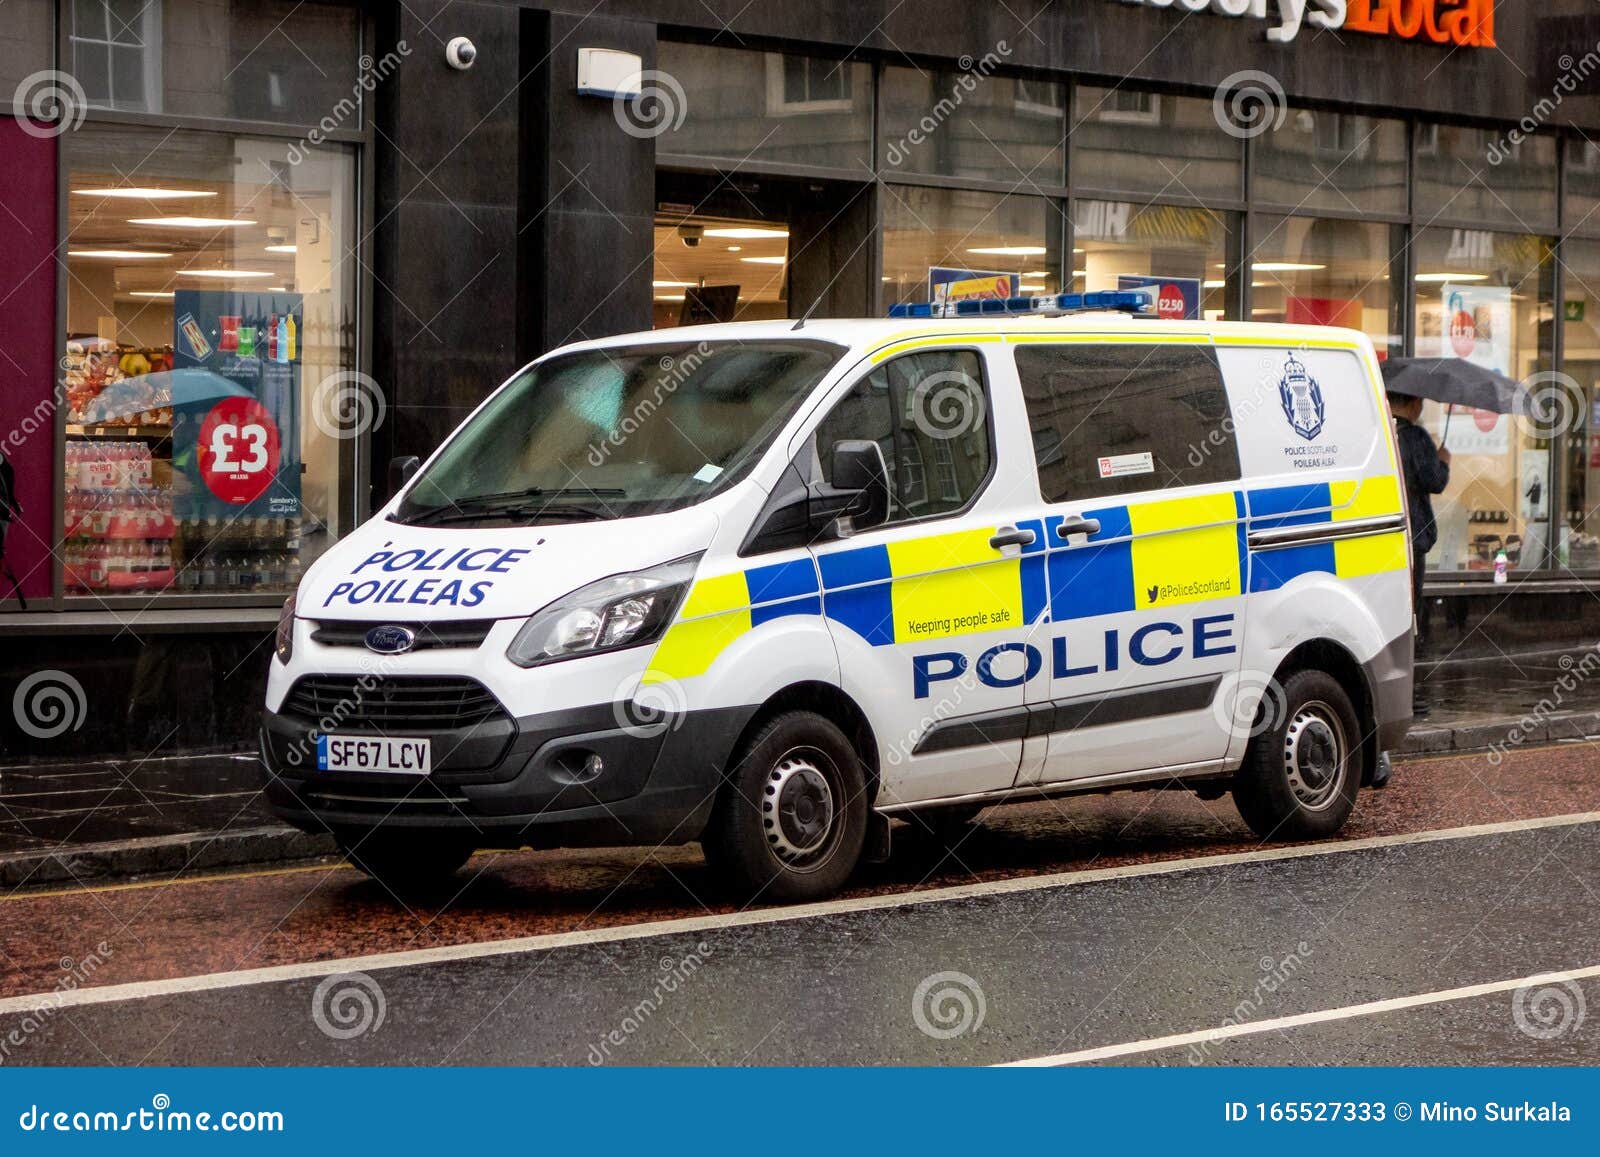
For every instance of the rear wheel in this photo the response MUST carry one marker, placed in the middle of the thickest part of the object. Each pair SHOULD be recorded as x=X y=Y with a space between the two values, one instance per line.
x=407 y=862
x=790 y=823
x=1301 y=773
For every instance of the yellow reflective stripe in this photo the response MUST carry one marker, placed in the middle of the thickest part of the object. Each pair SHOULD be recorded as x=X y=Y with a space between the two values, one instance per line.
x=1181 y=554
x=712 y=596
x=716 y=613
x=953 y=584
x=1111 y=338
x=946 y=341
x=689 y=648
x=1368 y=498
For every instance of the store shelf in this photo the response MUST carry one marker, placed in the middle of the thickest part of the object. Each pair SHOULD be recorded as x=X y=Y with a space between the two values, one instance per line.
x=111 y=430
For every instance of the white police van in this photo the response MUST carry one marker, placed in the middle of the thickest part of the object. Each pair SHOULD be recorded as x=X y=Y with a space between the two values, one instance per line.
x=767 y=586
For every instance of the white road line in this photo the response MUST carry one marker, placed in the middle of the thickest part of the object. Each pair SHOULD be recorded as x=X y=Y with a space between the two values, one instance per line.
x=1256 y=1027
x=311 y=969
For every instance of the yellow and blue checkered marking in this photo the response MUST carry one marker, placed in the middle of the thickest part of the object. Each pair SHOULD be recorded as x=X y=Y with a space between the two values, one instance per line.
x=1317 y=503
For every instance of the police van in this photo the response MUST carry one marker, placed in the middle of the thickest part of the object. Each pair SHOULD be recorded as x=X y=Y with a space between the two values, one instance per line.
x=769 y=586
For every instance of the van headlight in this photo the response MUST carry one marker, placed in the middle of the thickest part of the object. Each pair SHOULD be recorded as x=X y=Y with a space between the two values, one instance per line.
x=625 y=610
x=285 y=641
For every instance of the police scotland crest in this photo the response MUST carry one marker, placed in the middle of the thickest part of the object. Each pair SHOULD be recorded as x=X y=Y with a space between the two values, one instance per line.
x=1302 y=399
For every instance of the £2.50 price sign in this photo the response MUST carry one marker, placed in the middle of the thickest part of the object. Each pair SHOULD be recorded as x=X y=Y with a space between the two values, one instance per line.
x=239 y=450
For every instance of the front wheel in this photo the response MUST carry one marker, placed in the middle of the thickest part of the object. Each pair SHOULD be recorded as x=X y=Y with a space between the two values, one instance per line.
x=792 y=818
x=1302 y=771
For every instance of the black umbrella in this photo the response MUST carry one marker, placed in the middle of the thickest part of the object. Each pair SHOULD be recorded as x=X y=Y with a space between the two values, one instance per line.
x=1455 y=381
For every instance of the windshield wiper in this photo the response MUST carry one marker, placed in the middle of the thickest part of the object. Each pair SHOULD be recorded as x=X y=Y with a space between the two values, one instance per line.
x=510 y=504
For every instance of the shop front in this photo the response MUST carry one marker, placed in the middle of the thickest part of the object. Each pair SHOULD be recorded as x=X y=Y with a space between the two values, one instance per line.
x=271 y=245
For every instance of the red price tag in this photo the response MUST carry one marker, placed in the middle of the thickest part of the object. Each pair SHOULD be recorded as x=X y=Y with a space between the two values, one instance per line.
x=238 y=450
x=1170 y=303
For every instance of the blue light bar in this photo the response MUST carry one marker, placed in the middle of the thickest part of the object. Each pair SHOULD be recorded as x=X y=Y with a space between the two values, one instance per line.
x=1138 y=301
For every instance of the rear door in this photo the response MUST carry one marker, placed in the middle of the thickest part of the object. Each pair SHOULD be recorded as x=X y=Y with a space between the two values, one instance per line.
x=1144 y=554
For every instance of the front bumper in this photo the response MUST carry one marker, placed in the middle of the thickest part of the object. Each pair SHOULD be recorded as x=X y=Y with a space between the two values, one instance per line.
x=520 y=782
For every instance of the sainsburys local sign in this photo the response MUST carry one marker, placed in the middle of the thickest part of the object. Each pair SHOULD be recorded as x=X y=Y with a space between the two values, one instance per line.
x=1461 y=23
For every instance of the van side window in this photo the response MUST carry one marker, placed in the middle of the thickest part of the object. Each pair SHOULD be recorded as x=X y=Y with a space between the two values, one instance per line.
x=929 y=412
x=1117 y=419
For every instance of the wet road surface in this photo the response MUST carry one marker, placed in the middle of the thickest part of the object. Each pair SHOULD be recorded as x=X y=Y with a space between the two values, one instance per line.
x=1060 y=968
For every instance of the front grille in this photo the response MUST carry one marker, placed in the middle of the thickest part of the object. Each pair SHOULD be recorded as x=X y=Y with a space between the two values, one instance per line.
x=398 y=703
x=466 y=633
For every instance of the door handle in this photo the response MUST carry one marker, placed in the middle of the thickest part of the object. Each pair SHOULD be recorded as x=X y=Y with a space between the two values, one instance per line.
x=1070 y=526
x=1011 y=536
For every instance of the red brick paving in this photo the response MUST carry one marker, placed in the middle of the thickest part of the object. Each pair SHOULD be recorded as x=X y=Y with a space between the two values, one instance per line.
x=202 y=924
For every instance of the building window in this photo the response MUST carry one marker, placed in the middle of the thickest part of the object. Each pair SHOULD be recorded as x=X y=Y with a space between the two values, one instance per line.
x=1576 y=423
x=116 y=53
x=209 y=317
x=762 y=106
x=1333 y=161
x=1488 y=297
x=1478 y=174
x=1126 y=141
x=950 y=244
x=1119 y=245
x=971 y=124
x=1329 y=271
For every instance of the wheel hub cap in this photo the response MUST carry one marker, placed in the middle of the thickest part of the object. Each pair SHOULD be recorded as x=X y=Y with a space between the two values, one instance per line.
x=1313 y=757
x=798 y=809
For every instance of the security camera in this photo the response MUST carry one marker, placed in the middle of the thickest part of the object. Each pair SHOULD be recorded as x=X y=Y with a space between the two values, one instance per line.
x=690 y=235
x=460 y=53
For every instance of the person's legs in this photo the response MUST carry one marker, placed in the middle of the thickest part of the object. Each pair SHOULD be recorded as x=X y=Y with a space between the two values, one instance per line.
x=1419 y=566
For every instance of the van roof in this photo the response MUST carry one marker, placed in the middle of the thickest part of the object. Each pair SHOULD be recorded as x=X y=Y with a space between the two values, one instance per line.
x=864 y=335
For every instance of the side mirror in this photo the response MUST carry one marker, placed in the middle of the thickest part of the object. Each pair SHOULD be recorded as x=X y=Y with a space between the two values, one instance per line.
x=859 y=469
x=401 y=471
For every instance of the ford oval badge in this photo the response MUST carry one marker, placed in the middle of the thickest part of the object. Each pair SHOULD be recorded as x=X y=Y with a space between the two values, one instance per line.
x=391 y=639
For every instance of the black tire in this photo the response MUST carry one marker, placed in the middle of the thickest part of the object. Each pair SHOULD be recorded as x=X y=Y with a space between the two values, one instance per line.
x=1301 y=772
x=790 y=823
x=407 y=862
x=947 y=825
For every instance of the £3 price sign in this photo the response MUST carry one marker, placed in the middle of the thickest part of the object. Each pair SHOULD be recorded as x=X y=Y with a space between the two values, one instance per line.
x=239 y=448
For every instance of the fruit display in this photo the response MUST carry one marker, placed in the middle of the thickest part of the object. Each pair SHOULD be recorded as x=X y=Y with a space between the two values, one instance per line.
x=92 y=365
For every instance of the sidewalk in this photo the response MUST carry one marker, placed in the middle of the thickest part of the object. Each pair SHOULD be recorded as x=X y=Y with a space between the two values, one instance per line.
x=95 y=820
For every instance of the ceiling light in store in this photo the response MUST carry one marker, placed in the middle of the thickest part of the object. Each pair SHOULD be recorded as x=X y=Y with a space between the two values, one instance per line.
x=736 y=249
x=763 y=260
x=283 y=248
x=1010 y=250
x=747 y=234
x=672 y=284
x=1032 y=287
x=1080 y=273
x=145 y=194
x=117 y=254
x=1283 y=267
x=1216 y=285
x=1440 y=278
x=276 y=289
x=228 y=274
x=1034 y=273
x=679 y=297
x=191 y=222
x=1075 y=252
x=165 y=294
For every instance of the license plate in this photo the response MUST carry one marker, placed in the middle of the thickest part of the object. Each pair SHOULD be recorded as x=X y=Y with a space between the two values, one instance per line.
x=365 y=753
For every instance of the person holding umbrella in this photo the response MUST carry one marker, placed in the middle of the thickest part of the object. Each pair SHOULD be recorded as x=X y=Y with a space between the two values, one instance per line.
x=1427 y=472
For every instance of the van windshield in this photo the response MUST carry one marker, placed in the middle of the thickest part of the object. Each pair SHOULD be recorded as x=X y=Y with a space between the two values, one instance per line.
x=615 y=433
